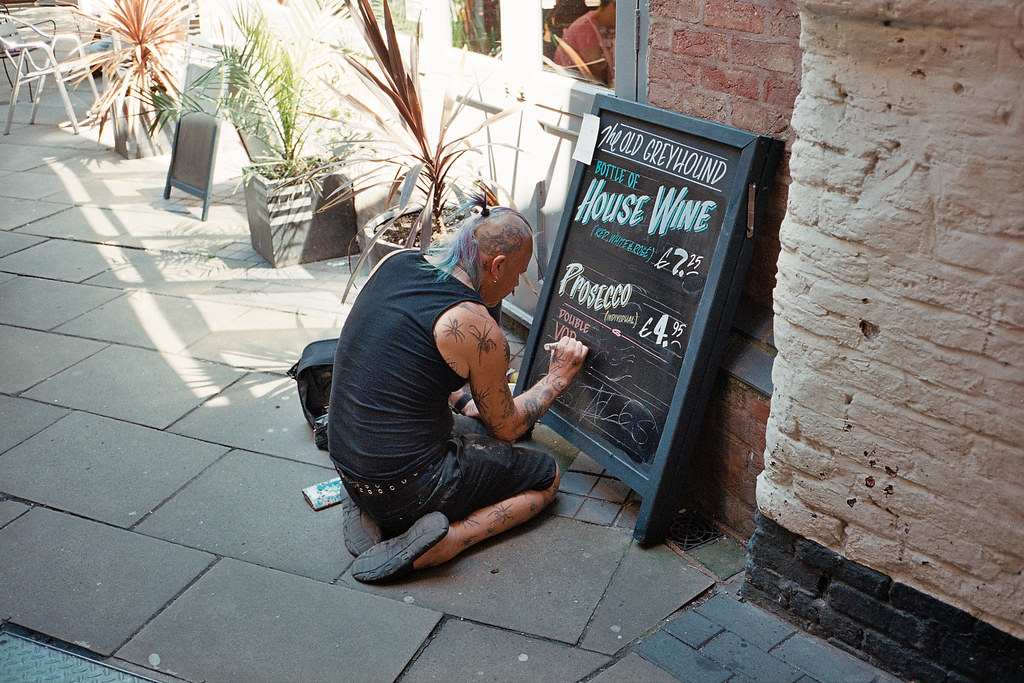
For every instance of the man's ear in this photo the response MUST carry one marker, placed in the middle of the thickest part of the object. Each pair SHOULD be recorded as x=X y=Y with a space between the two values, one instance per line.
x=498 y=264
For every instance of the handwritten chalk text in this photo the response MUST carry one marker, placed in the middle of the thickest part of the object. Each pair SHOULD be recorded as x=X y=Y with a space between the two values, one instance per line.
x=661 y=153
x=642 y=250
x=592 y=295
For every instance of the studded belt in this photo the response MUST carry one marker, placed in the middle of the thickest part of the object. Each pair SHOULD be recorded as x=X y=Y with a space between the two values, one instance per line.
x=377 y=489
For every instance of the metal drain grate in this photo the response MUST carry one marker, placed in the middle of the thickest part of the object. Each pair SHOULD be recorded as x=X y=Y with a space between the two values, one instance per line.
x=688 y=531
x=25 y=660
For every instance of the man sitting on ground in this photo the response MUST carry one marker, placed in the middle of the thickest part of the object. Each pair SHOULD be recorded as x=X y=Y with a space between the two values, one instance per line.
x=429 y=483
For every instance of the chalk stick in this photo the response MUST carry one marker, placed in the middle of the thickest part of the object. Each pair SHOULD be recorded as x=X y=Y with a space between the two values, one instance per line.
x=324 y=495
x=549 y=346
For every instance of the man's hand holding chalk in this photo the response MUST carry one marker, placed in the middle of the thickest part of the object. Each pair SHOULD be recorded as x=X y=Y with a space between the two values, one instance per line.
x=567 y=356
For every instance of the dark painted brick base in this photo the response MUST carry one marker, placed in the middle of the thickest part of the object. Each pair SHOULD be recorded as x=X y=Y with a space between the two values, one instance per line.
x=897 y=627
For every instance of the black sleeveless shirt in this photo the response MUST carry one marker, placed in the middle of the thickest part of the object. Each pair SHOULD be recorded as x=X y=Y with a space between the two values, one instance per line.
x=389 y=411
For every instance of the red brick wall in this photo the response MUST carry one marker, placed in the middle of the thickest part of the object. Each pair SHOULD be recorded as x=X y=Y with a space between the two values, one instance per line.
x=736 y=63
x=728 y=457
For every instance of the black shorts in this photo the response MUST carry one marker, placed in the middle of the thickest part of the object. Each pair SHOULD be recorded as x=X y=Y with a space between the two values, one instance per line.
x=475 y=471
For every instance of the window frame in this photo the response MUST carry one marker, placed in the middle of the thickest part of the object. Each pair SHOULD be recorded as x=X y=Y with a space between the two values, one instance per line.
x=520 y=65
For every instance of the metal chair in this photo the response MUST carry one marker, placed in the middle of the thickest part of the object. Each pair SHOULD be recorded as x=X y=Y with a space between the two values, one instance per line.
x=32 y=49
x=5 y=14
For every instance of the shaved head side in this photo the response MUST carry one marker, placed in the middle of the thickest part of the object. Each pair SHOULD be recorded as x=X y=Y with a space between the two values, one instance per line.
x=490 y=232
x=504 y=231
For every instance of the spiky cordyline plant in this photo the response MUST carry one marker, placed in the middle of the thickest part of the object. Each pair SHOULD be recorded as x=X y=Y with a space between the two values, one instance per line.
x=412 y=157
x=145 y=55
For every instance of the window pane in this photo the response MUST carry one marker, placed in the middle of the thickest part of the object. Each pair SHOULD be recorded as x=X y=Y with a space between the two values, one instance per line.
x=579 y=39
x=476 y=24
x=405 y=13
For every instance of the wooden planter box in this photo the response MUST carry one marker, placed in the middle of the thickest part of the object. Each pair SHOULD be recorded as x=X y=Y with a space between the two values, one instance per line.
x=286 y=226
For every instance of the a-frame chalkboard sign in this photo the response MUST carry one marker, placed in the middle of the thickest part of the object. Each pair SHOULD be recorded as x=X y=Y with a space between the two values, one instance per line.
x=646 y=270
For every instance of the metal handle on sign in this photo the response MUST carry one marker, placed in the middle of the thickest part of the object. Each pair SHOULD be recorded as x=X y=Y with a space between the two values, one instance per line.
x=751 y=193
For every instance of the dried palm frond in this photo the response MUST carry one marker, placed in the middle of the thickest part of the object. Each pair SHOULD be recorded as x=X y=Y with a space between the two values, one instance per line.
x=145 y=56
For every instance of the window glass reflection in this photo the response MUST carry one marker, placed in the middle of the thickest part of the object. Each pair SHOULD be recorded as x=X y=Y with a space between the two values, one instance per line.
x=476 y=24
x=579 y=38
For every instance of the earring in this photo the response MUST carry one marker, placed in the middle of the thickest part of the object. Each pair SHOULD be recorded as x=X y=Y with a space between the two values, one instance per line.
x=494 y=280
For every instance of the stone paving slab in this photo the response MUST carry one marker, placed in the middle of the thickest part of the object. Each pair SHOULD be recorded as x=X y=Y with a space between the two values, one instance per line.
x=22 y=157
x=10 y=510
x=166 y=273
x=824 y=662
x=584 y=463
x=630 y=608
x=51 y=111
x=120 y=189
x=19 y=211
x=292 y=296
x=577 y=483
x=127 y=225
x=153 y=321
x=749 y=661
x=52 y=142
x=241 y=622
x=87 y=583
x=597 y=512
x=22 y=418
x=137 y=385
x=250 y=507
x=544 y=578
x=634 y=669
x=11 y=242
x=44 y=304
x=272 y=424
x=693 y=628
x=265 y=340
x=747 y=621
x=29 y=357
x=39 y=183
x=104 y=469
x=62 y=260
x=566 y=505
x=466 y=651
x=683 y=662
x=726 y=557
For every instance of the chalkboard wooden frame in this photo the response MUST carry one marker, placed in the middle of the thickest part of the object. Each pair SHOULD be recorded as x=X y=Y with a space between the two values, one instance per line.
x=656 y=473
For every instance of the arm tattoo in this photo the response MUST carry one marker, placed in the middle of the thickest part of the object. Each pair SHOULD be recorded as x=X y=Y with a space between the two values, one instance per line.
x=508 y=354
x=532 y=408
x=481 y=395
x=485 y=344
x=508 y=406
x=453 y=330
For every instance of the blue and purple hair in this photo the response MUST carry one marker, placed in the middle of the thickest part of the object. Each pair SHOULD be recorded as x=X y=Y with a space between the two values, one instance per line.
x=464 y=247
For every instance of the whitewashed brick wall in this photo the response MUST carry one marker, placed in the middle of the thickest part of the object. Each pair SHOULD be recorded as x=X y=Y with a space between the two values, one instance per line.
x=896 y=435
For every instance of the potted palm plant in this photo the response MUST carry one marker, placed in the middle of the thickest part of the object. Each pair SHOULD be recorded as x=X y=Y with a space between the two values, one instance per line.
x=140 y=57
x=274 y=96
x=419 y=158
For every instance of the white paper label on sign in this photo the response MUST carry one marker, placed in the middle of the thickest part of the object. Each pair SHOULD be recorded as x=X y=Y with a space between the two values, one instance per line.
x=587 y=140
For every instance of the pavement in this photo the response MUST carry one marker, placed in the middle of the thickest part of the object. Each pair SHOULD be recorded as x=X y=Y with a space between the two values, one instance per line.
x=153 y=452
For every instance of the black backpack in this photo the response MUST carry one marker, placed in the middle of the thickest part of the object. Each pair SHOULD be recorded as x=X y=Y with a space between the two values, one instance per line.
x=313 y=375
